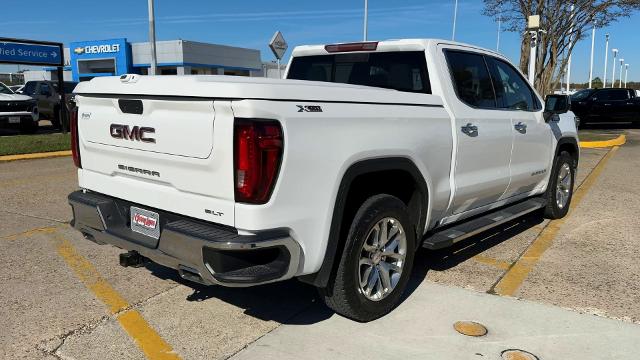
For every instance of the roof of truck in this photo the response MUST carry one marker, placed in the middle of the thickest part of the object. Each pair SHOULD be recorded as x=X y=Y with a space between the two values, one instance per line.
x=389 y=45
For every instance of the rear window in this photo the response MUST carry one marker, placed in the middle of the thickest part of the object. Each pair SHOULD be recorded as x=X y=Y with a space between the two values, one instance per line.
x=403 y=71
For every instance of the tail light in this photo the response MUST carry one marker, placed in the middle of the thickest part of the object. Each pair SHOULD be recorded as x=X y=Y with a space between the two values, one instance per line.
x=75 y=145
x=258 y=153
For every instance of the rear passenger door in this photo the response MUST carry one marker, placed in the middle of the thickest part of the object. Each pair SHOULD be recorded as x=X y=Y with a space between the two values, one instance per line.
x=611 y=104
x=483 y=134
x=531 y=150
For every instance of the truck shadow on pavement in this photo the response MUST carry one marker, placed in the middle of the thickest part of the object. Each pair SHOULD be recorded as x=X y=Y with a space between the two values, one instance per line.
x=295 y=303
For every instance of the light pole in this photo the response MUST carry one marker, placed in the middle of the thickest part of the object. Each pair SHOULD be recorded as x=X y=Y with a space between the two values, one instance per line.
x=152 y=39
x=621 y=65
x=626 y=72
x=533 y=27
x=366 y=18
x=606 y=56
x=613 y=72
x=593 y=41
x=569 y=61
x=455 y=17
x=499 y=29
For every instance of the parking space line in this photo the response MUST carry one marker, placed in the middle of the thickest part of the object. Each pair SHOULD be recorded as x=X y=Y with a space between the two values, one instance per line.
x=45 y=230
x=518 y=272
x=145 y=337
x=503 y=265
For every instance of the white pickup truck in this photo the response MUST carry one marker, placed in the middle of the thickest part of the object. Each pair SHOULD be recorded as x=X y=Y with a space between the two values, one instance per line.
x=335 y=175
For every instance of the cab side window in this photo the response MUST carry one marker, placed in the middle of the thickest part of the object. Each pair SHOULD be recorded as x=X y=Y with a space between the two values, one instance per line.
x=44 y=89
x=512 y=90
x=471 y=79
x=612 y=94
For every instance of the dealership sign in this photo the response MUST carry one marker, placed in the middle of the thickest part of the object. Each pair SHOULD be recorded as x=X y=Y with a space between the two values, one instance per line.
x=30 y=52
x=97 y=49
x=278 y=45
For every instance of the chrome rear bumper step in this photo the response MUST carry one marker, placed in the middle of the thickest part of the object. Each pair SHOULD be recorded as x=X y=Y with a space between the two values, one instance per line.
x=457 y=232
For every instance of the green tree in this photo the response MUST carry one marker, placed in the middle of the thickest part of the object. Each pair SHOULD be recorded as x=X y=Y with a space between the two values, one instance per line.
x=563 y=30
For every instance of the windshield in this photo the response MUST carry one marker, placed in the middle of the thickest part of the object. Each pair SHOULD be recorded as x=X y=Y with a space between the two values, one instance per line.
x=581 y=95
x=30 y=88
x=4 y=89
x=403 y=71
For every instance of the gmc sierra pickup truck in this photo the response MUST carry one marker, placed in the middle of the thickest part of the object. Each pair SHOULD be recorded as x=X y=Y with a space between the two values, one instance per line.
x=335 y=175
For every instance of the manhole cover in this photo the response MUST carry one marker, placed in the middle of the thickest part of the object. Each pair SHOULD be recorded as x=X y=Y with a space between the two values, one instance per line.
x=515 y=354
x=470 y=328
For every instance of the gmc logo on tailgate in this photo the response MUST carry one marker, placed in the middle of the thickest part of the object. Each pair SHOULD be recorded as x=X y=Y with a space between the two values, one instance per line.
x=137 y=133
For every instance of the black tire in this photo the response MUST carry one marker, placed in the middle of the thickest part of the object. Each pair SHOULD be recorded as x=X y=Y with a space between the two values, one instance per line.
x=28 y=126
x=553 y=210
x=346 y=297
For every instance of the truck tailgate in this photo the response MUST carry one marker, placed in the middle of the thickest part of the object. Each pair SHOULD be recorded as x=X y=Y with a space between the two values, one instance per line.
x=181 y=162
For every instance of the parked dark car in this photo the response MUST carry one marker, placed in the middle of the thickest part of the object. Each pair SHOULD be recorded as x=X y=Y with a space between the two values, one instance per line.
x=606 y=105
x=48 y=97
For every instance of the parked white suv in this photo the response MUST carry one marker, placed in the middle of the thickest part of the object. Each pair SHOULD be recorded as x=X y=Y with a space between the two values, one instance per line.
x=18 y=111
x=335 y=176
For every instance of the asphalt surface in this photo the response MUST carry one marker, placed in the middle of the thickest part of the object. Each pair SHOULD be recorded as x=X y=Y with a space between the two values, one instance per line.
x=66 y=298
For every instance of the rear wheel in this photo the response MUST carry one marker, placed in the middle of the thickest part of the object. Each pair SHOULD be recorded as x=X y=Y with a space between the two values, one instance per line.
x=377 y=260
x=560 y=188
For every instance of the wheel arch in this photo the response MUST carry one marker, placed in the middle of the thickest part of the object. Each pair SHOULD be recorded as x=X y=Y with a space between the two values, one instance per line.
x=570 y=145
x=402 y=169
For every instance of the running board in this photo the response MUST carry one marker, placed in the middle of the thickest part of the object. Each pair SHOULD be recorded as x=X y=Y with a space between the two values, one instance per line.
x=451 y=235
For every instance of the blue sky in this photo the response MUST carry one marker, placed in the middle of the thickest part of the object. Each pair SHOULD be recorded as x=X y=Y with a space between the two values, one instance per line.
x=251 y=23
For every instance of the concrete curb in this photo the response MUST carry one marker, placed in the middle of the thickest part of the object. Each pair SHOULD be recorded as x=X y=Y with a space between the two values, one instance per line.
x=620 y=140
x=44 y=155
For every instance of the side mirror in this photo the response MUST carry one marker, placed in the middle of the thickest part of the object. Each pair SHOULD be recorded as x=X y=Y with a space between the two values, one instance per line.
x=555 y=105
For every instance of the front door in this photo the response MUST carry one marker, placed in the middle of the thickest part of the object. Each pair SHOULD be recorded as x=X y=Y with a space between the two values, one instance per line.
x=531 y=153
x=483 y=132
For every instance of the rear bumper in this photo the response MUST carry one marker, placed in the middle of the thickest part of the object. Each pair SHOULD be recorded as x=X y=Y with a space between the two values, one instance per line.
x=200 y=251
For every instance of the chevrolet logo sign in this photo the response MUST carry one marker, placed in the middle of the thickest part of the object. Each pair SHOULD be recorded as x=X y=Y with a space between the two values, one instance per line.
x=78 y=50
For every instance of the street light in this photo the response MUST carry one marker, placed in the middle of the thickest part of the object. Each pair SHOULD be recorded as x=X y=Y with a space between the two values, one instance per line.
x=626 y=72
x=455 y=17
x=152 y=39
x=621 y=65
x=569 y=61
x=606 y=55
x=366 y=18
x=593 y=41
x=613 y=76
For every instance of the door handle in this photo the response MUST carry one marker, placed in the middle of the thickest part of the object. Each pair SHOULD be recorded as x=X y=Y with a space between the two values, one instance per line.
x=521 y=127
x=470 y=130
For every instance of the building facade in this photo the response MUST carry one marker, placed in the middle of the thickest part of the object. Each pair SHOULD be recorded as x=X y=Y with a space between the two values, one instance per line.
x=112 y=57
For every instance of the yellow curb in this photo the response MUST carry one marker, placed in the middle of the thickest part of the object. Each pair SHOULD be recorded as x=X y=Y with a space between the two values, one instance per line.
x=43 y=155
x=620 y=140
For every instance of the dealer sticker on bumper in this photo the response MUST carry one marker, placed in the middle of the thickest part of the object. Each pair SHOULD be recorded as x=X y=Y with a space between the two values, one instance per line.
x=145 y=222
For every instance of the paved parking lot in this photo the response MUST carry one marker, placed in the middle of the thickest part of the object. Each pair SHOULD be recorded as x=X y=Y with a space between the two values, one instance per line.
x=535 y=284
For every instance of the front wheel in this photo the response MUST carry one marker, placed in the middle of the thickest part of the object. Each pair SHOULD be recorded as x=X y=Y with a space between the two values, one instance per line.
x=376 y=262
x=28 y=126
x=560 y=188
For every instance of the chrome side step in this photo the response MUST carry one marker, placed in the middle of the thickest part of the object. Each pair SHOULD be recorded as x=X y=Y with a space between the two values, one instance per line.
x=457 y=232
